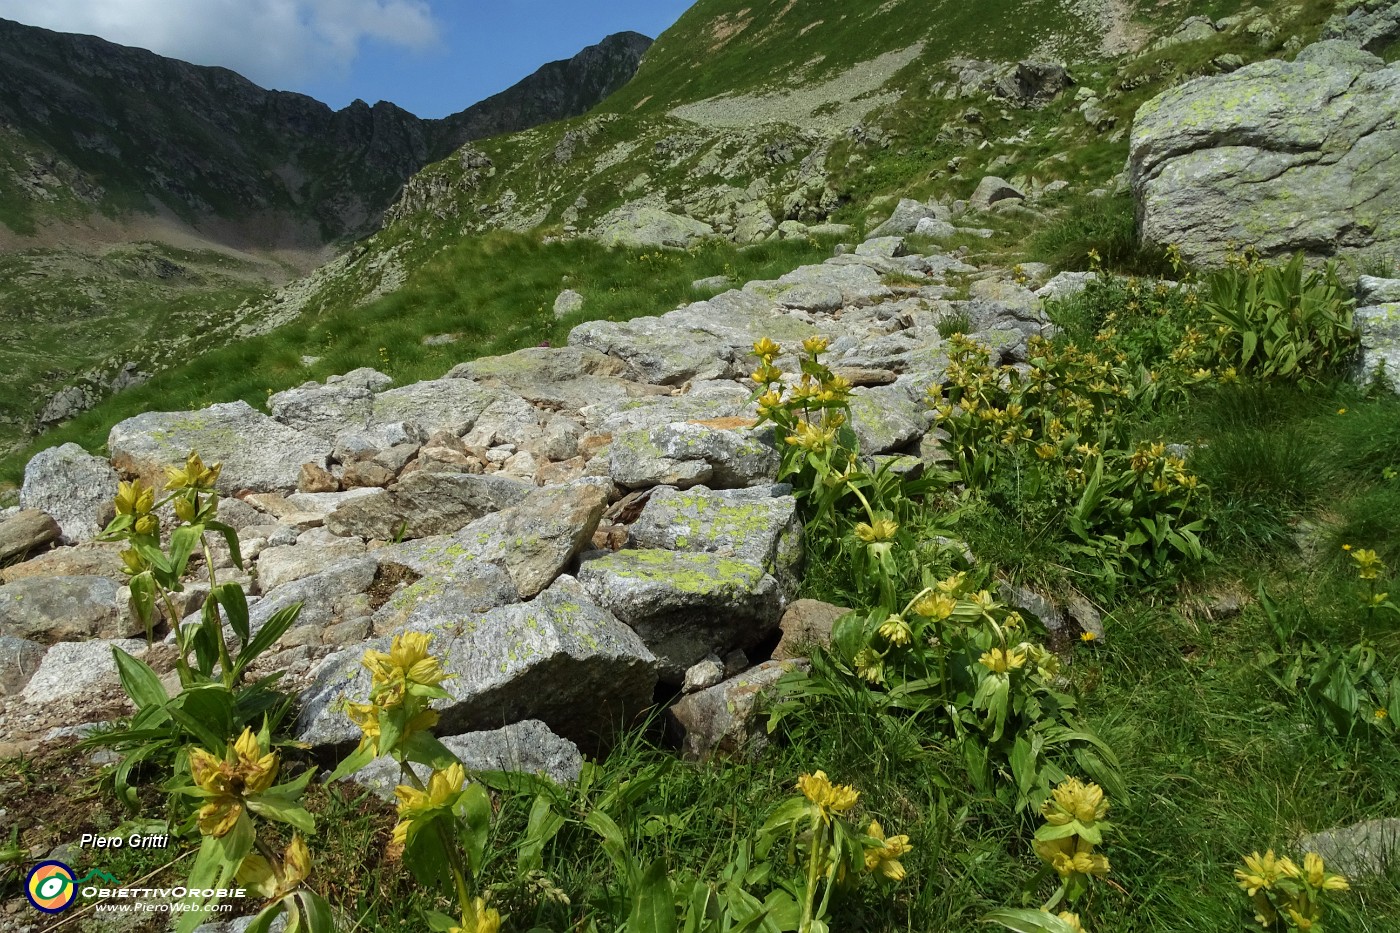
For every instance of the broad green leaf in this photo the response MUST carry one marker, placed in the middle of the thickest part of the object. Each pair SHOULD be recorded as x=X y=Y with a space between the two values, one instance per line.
x=653 y=903
x=139 y=681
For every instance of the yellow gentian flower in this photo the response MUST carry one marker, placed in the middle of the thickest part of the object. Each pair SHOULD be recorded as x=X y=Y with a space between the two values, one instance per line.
x=827 y=797
x=444 y=787
x=886 y=857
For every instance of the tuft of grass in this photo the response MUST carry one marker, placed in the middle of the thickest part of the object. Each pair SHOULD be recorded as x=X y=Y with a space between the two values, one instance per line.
x=1103 y=225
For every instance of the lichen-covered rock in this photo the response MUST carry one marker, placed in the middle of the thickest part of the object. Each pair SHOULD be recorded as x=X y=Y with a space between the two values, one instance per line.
x=559 y=658
x=53 y=609
x=1379 y=330
x=73 y=487
x=25 y=530
x=257 y=452
x=1371 y=290
x=435 y=405
x=425 y=504
x=751 y=525
x=706 y=401
x=720 y=720
x=560 y=377
x=685 y=605
x=569 y=302
x=545 y=532
x=325 y=411
x=991 y=190
x=644 y=227
x=327 y=598
x=686 y=454
x=286 y=564
x=527 y=747
x=886 y=418
x=1282 y=156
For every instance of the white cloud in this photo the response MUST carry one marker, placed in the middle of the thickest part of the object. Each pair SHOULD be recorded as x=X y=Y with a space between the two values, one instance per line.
x=276 y=43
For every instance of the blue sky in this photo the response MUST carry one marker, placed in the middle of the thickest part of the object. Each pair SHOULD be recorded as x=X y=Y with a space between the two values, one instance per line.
x=432 y=57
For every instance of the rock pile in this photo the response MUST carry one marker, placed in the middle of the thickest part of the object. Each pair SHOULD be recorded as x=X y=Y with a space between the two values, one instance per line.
x=578 y=527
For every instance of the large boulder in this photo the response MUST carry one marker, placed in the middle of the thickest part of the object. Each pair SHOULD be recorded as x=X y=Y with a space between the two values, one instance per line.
x=74 y=487
x=558 y=658
x=19 y=659
x=644 y=227
x=425 y=504
x=52 y=609
x=24 y=531
x=685 y=605
x=527 y=747
x=1379 y=330
x=721 y=719
x=907 y=215
x=72 y=669
x=257 y=452
x=1277 y=155
x=722 y=454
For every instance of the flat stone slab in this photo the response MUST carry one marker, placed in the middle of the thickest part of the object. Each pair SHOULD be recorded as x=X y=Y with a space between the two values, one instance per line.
x=257 y=452
x=685 y=605
x=559 y=658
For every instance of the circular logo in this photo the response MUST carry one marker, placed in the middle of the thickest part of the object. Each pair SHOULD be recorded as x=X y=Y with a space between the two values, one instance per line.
x=51 y=887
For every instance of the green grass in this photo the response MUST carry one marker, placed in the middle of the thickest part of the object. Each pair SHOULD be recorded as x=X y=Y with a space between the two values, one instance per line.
x=496 y=292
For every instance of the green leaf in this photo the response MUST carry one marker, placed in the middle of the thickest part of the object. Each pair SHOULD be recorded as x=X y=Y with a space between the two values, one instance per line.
x=614 y=843
x=542 y=825
x=230 y=536
x=230 y=596
x=474 y=806
x=183 y=542
x=284 y=810
x=361 y=756
x=653 y=903
x=424 y=748
x=139 y=681
x=205 y=712
x=440 y=922
x=273 y=629
x=143 y=601
x=317 y=912
x=1025 y=920
x=263 y=922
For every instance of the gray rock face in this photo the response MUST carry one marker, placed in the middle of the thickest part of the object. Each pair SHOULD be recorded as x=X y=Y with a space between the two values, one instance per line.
x=26 y=530
x=527 y=747
x=19 y=659
x=72 y=668
x=425 y=504
x=644 y=227
x=73 y=487
x=685 y=454
x=436 y=405
x=546 y=530
x=720 y=720
x=907 y=215
x=759 y=529
x=1362 y=850
x=257 y=452
x=1379 y=329
x=1371 y=25
x=286 y=564
x=1282 y=156
x=684 y=605
x=886 y=418
x=1033 y=83
x=1374 y=291
x=559 y=659
x=806 y=622
x=53 y=609
x=326 y=598
x=324 y=411
x=94 y=559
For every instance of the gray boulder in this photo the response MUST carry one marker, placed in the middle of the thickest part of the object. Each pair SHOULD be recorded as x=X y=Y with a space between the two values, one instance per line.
x=425 y=504
x=991 y=190
x=721 y=720
x=24 y=531
x=1033 y=83
x=1372 y=24
x=558 y=658
x=569 y=302
x=435 y=405
x=1277 y=155
x=1379 y=329
x=288 y=563
x=1363 y=850
x=685 y=605
x=325 y=411
x=54 y=609
x=1375 y=291
x=750 y=525
x=71 y=669
x=257 y=452
x=689 y=453
x=907 y=215
x=527 y=747
x=644 y=227
x=72 y=486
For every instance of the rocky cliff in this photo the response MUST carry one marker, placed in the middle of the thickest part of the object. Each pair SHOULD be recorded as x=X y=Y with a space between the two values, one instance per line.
x=92 y=125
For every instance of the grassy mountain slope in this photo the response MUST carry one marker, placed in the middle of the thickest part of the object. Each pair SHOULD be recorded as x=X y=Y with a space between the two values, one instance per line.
x=813 y=111
x=225 y=189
